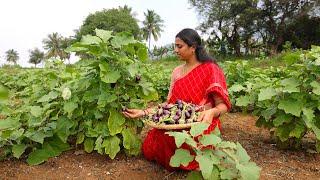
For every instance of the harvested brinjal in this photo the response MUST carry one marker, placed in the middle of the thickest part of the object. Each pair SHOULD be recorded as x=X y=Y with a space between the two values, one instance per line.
x=178 y=113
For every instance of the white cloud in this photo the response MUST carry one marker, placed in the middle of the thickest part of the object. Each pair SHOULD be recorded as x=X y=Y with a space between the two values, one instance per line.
x=24 y=24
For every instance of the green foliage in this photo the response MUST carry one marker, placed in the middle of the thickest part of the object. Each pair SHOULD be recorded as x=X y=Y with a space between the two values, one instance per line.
x=47 y=107
x=116 y=20
x=258 y=26
x=303 y=32
x=218 y=159
x=55 y=45
x=152 y=26
x=4 y=93
x=12 y=56
x=36 y=56
x=286 y=99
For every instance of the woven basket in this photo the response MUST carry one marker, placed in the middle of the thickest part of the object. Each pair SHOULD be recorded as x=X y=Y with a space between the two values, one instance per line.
x=170 y=126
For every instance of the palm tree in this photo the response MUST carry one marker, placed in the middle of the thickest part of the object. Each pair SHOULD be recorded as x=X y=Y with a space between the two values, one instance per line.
x=36 y=56
x=55 y=45
x=12 y=56
x=151 y=26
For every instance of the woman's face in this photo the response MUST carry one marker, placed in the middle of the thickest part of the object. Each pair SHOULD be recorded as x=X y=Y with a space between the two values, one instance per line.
x=182 y=49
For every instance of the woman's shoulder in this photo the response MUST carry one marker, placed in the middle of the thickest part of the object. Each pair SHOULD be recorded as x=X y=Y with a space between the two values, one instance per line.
x=177 y=68
x=176 y=71
x=211 y=67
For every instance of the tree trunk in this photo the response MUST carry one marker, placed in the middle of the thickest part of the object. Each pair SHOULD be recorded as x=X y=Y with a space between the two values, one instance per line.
x=149 y=41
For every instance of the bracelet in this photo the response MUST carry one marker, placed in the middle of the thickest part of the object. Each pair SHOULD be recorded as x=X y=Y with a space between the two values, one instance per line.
x=144 y=112
x=219 y=112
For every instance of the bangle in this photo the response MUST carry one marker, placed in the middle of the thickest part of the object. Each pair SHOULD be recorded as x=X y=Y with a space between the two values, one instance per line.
x=219 y=113
x=144 y=112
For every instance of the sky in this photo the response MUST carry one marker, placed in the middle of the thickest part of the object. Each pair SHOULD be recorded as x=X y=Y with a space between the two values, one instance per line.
x=25 y=23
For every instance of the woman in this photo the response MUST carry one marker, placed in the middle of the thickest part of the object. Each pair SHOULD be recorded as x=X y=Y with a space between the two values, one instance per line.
x=199 y=81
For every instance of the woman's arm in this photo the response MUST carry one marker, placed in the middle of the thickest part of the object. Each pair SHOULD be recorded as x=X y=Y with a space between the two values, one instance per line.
x=138 y=113
x=217 y=110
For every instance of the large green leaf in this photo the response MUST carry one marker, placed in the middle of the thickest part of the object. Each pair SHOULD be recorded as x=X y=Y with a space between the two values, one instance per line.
x=316 y=87
x=89 y=40
x=69 y=107
x=298 y=131
x=181 y=157
x=91 y=95
x=111 y=145
x=205 y=164
x=148 y=92
x=291 y=106
x=316 y=131
x=80 y=138
x=18 y=150
x=37 y=157
x=198 y=129
x=179 y=137
x=142 y=52
x=51 y=148
x=48 y=97
x=54 y=146
x=98 y=145
x=130 y=139
x=36 y=111
x=35 y=121
x=308 y=116
x=283 y=131
x=194 y=175
x=9 y=123
x=122 y=39
x=133 y=69
x=227 y=145
x=266 y=94
x=88 y=145
x=236 y=88
x=105 y=98
x=110 y=76
x=103 y=34
x=249 y=171
x=290 y=85
x=37 y=136
x=4 y=93
x=242 y=154
x=210 y=139
x=115 y=122
x=244 y=100
x=63 y=128
x=229 y=174
x=76 y=47
x=282 y=118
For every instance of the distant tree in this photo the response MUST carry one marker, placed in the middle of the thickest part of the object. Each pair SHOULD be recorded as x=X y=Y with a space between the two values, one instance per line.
x=227 y=21
x=12 y=56
x=241 y=23
x=55 y=45
x=303 y=32
x=152 y=26
x=275 y=17
x=36 y=56
x=116 y=20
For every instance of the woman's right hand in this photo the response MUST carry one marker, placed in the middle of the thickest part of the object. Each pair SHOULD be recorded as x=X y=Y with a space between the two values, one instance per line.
x=133 y=113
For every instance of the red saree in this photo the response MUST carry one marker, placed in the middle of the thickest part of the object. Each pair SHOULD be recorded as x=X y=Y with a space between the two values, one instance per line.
x=197 y=87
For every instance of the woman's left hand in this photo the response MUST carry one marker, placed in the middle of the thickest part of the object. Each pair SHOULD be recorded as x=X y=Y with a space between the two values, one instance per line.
x=207 y=115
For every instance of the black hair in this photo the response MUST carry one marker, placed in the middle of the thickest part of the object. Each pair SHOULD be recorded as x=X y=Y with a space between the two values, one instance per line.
x=192 y=38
